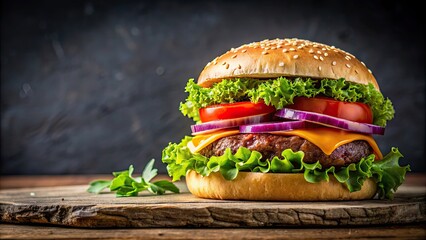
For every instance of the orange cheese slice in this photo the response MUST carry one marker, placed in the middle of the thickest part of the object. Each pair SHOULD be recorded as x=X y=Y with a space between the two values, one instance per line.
x=201 y=141
x=327 y=139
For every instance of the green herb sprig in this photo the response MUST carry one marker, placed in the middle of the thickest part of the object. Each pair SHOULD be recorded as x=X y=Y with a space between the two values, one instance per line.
x=126 y=186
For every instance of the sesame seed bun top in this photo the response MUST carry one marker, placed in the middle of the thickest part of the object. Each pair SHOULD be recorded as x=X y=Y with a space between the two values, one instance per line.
x=288 y=58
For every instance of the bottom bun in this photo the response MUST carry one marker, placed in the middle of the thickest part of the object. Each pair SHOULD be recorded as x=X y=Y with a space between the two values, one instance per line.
x=274 y=187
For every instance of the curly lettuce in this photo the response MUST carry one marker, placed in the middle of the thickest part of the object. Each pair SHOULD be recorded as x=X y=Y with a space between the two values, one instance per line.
x=281 y=91
x=226 y=91
x=387 y=173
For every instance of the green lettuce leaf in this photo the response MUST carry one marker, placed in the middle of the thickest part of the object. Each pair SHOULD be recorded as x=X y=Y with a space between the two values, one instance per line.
x=281 y=91
x=97 y=186
x=387 y=172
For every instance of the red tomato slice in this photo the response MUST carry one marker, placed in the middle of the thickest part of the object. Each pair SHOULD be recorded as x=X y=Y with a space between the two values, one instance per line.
x=354 y=111
x=233 y=110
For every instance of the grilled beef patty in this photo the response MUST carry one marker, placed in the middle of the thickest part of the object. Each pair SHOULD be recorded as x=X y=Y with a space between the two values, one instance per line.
x=270 y=145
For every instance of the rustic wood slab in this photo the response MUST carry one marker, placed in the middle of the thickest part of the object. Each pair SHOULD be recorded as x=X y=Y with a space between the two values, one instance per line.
x=14 y=231
x=73 y=206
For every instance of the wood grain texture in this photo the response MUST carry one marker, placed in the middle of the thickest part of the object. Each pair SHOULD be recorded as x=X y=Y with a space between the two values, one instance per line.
x=418 y=231
x=72 y=206
x=27 y=181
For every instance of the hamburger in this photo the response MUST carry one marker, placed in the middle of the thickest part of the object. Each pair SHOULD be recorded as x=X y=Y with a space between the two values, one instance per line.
x=286 y=120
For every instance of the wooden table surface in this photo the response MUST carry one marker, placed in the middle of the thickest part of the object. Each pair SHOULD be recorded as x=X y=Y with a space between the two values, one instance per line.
x=13 y=231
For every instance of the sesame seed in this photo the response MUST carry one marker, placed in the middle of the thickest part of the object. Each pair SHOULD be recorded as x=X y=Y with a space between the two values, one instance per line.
x=316 y=57
x=266 y=49
x=315 y=45
x=370 y=71
x=334 y=63
x=285 y=50
x=363 y=64
x=295 y=56
x=323 y=49
x=272 y=48
x=321 y=58
x=292 y=49
x=319 y=68
x=347 y=65
x=234 y=56
x=299 y=47
x=227 y=66
x=348 y=58
x=264 y=53
x=319 y=52
x=244 y=50
x=239 y=66
x=325 y=54
x=223 y=63
x=311 y=51
x=281 y=64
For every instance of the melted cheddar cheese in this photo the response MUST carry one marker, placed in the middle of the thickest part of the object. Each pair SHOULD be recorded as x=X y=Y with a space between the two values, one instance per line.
x=201 y=141
x=327 y=139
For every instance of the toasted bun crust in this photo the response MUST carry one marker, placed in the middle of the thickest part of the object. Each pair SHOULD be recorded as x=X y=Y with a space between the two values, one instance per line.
x=273 y=187
x=289 y=58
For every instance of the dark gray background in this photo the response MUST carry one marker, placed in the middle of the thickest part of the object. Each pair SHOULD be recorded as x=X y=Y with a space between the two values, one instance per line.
x=93 y=86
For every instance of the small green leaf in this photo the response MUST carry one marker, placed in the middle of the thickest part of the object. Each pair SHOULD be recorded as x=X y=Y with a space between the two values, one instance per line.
x=149 y=172
x=128 y=172
x=118 y=182
x=140 y=186
x=98 y=185
x=156 y=189
x=131 y=169
x=166 y=185
x=126 y=191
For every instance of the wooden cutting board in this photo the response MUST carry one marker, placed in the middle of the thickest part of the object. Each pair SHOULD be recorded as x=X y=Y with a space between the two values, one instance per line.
x=73 y=206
